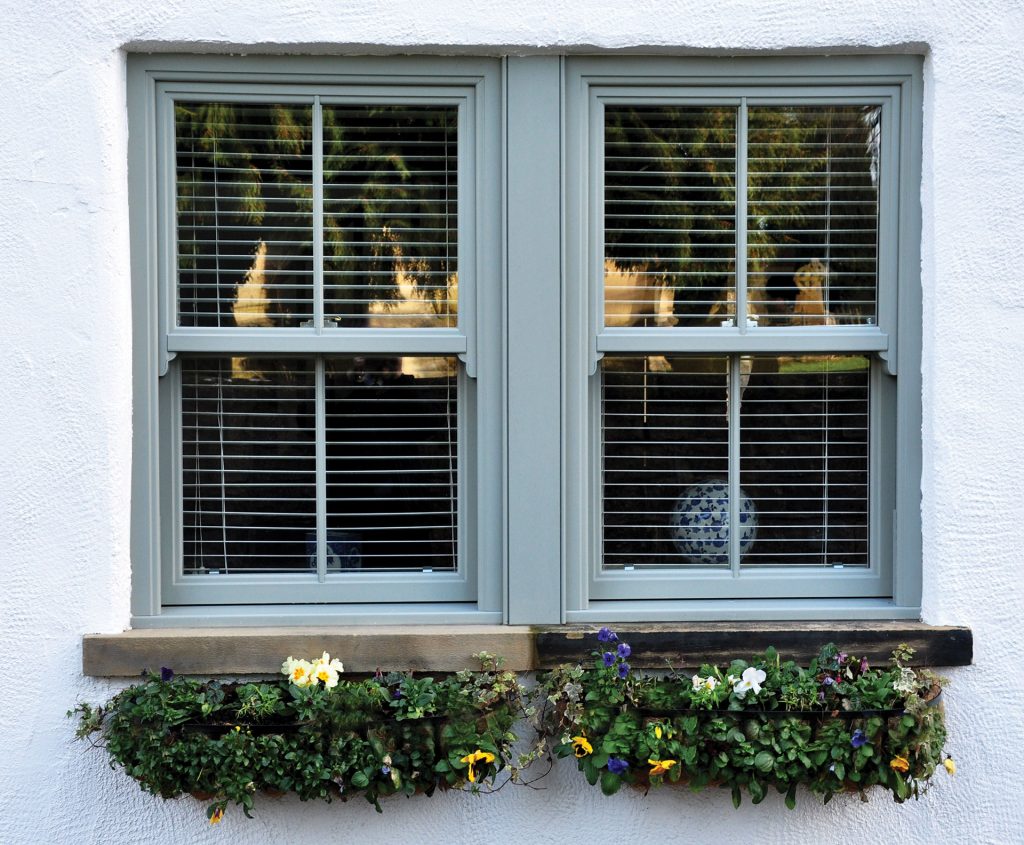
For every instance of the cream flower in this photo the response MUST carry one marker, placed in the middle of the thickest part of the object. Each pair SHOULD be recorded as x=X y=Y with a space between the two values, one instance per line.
x=704 y=683
x=299 y=672
x=751 y=680
x=326 y=670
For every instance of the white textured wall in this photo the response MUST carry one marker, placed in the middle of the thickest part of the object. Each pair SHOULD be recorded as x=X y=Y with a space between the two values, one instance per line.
x=65 y=400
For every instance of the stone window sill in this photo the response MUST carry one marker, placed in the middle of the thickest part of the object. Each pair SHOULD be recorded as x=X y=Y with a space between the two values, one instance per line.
x=259 y=651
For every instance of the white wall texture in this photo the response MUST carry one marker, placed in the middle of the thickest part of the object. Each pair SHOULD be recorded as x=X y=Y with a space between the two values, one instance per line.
x=65 y=399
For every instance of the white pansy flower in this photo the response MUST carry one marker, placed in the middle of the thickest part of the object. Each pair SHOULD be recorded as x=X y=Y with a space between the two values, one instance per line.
x=700 y=683
x=751 y=680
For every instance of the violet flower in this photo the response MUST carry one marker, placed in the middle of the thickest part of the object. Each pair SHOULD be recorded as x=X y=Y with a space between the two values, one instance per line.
x=617 y=766
x=607 y=635
x=623 y=670
x=858 y=739
x=608 y=658
x=624 y=650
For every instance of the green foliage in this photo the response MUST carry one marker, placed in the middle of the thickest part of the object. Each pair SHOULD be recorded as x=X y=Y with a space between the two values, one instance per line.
x=376 y=737
x=835 y=726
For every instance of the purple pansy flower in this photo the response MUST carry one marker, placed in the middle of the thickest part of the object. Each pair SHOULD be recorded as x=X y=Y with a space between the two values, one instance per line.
x=166 y=674
x=623 y=670
x=385 y=770
x=829 y=681
x=608 y=658
x=397 y=694
x=858 y=739
x=624 y=650
x=607 y=635
x=617 y=766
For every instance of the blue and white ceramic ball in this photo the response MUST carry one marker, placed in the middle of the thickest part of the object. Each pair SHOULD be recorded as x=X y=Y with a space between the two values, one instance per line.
x=700 y=522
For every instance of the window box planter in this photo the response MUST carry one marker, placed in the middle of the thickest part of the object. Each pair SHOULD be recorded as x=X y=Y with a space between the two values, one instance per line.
x=836 y=726
x=312 y=734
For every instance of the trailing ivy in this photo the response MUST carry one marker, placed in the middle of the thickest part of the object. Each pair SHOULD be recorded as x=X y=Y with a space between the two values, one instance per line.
x=836 y=726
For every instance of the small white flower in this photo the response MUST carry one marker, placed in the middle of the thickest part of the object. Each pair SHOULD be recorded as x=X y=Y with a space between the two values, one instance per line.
x=704 y=683
x=751 y=680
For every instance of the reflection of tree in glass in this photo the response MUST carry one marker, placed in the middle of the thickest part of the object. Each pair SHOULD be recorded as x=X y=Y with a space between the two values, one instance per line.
x=670 y=204
x=813 y=213
x=391 y=223
x=244 y=184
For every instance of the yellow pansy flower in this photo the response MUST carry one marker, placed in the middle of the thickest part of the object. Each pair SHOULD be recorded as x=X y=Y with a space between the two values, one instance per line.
x=657 y=731
x=216 y=815
x=950 y=765
x=471 y=760
x=581 y=746
x=660 y=767
x=899 y=764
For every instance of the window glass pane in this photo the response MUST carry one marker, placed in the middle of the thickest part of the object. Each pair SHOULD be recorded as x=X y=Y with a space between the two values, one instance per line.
x=813 y=214
x=245 y=225
x=391 y=215
x=669 y=215
x=248 y=465
x=665 y=445
x=804 y=458
x=392 y=463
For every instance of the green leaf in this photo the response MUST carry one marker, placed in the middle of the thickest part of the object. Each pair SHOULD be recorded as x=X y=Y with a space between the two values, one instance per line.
x=756 y=791
x=764 y=761
x=791 y=797
x=610 y=783
x=737 y=797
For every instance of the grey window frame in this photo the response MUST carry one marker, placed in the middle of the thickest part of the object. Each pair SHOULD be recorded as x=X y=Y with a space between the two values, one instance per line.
x=162 y=593
x=533 y=333
x=890 y=588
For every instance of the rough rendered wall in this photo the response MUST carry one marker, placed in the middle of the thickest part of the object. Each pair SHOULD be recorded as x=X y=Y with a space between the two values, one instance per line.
x=65 y=399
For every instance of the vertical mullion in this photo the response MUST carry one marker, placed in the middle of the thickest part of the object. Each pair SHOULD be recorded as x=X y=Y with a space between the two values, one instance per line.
x=321 y=469
x=741 y=216
x=735 y=397
x=318 y=216
x=734 y=464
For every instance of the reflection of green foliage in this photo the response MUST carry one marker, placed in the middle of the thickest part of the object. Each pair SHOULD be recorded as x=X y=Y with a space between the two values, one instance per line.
x=677 y=165
x=390 y=192
x=829 y=364
x=673 y=168
x=236 y=161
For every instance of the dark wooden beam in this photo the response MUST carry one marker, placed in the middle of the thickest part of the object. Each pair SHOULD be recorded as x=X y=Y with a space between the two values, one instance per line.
x=689 y=645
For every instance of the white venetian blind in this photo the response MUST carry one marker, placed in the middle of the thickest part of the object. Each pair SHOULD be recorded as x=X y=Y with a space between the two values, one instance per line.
x=391 y=215
x=392 y=462
x=804 y=459
x=259 y=490
x=813 y=214
x=244 y=190
x=248 y=465
x=669 y=215
x=664 y=430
